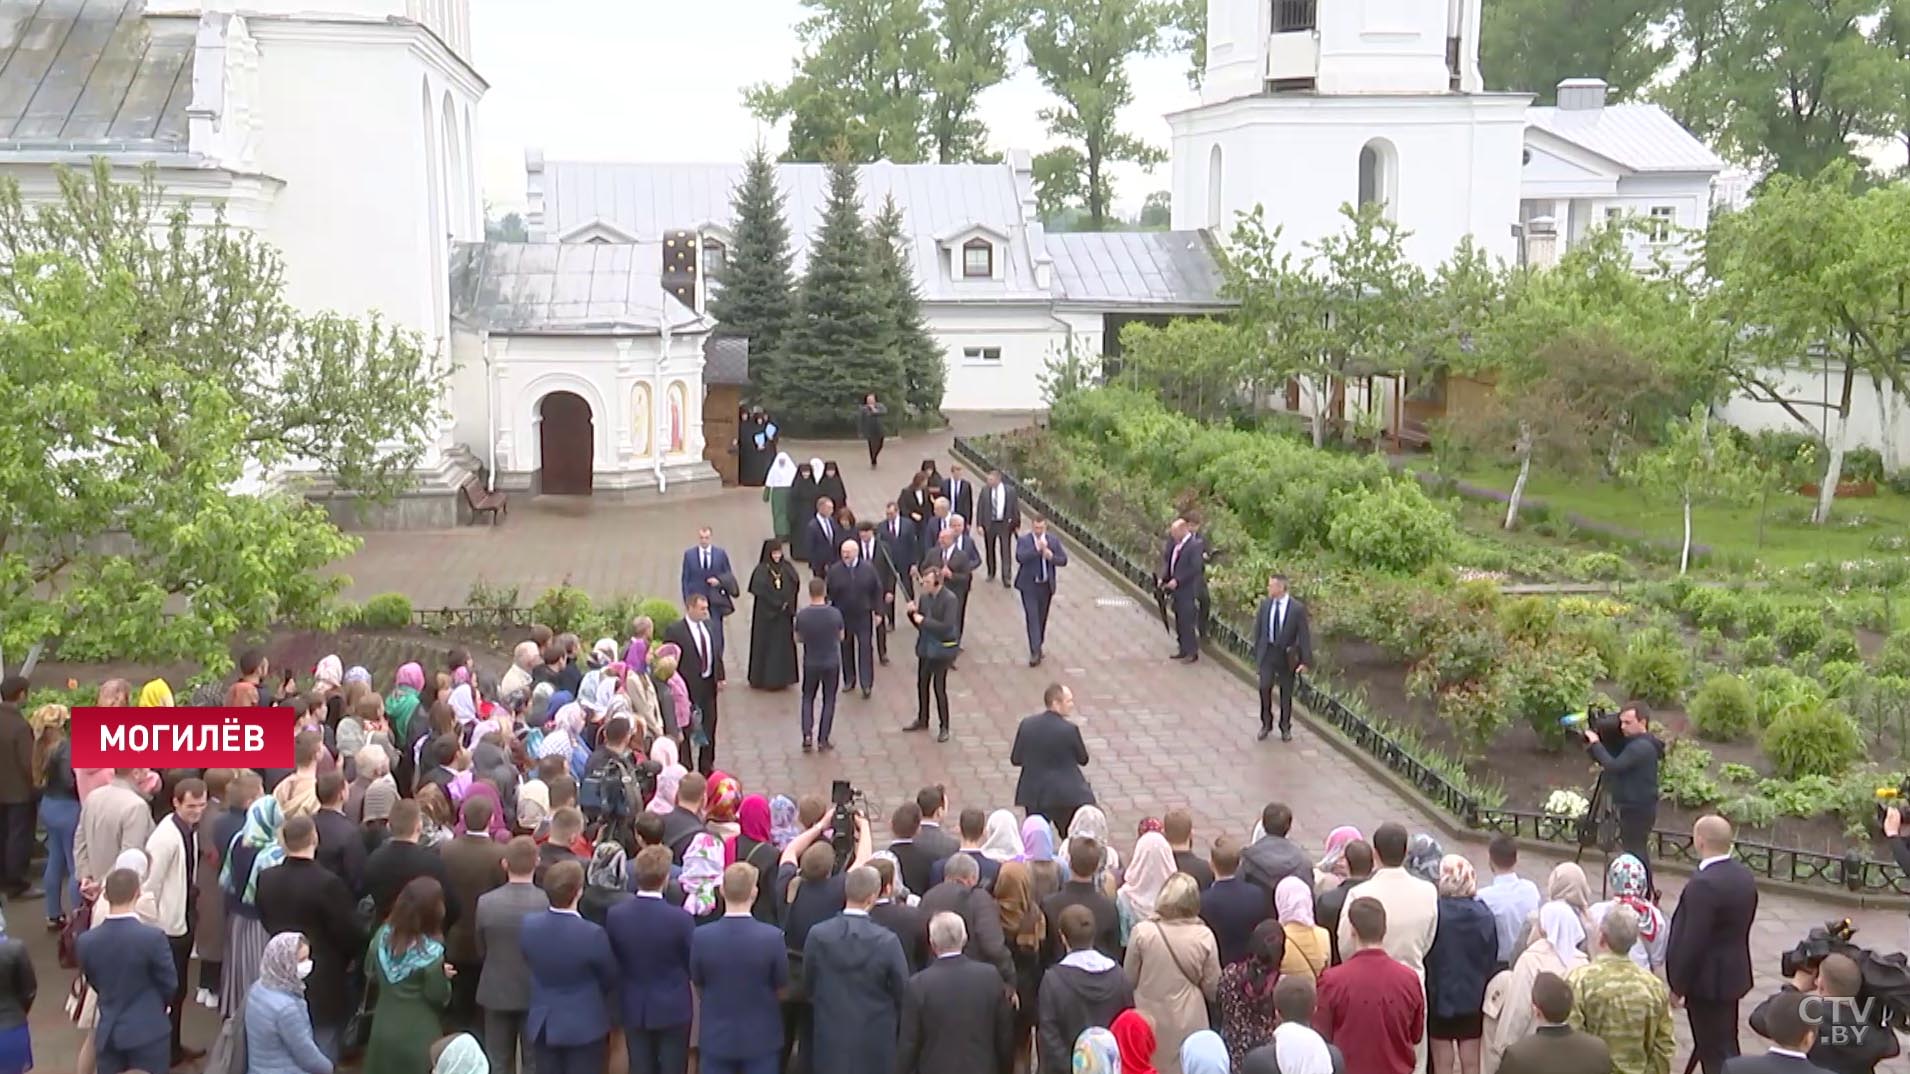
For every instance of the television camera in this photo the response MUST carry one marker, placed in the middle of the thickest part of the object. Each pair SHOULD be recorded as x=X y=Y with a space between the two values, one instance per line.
x=848 y=804
x=1885 y=992
x=1599 y=825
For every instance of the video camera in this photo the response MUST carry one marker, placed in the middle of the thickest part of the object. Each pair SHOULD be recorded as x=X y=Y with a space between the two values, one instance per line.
x=848 y=804
x=1885 y=991
x=1602 y=722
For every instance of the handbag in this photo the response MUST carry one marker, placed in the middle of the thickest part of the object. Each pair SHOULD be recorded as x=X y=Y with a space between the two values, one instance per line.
x=1213 y=1008
x=227 y=1054
x=358 y=1026
x=77 y=922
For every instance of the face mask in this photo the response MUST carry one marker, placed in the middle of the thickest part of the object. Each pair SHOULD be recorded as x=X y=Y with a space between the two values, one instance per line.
x=304 y=968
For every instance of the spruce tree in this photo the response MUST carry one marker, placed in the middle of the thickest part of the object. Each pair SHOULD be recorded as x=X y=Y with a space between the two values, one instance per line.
x=905 y=334
x=835 y=351
x=755 y=296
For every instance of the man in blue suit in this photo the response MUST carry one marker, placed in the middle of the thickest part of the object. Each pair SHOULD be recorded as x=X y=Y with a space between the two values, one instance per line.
x=130 y=967
x=651 y=940
x=707 y=573
x=1038 y=559
x=741 y=966
x=573 y=979
x=1183 y=578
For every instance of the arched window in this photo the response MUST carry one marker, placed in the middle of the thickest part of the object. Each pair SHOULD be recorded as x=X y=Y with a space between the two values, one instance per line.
x=1379 y=176
x=1213 y=187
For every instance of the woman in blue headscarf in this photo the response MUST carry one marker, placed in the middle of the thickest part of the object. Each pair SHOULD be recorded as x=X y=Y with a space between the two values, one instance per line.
x=255 y=849
x=406 y=960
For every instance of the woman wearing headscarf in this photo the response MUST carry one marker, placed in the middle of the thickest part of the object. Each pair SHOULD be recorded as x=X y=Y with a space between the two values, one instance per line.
x=155 y=695
x=802 y=506
x=1567 y=885
x=606 y=882
x=785 y=823
x=752 y=830
x=59 y=810
x=1153 y=863
x=772 y=619
x=830 y=484
x=1423 y=856
x=1205 y=1053
x=777 y=493
x=1134 y=1034
x=702 y=875
x=403 y=702
x=722 y=797
x=664 y=752
x=1096 y=1051
x=1001 y=839
x=1507 y=1009
x=406 y=962
x=1332 y=867
x=1090 y=823
x=1246 y=991
x=460 y=1054
x=1037 y=843
x=499 y=829
x=1309 y=948
x=1458 y=965
x=533 y=808
x=1174 y=964
x=663 y=803
x=1627 y=882
x=1023 y=927
x=565 y=738
x=673 y=694
x=255 y=849
x=278 y=1025
x=371 y=765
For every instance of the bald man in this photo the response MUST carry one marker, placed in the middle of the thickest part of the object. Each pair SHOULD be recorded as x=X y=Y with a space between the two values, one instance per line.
x=1708 y=958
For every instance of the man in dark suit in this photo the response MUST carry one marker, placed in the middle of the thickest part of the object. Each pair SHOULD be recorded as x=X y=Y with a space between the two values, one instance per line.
x=959 y=491
x=934 y=839
x=401 y=860
x=936 y=615
x=912 y=860
x=16 y=788
x=740 y=967
x=129 y=965
x=473 y=865
x=1183 y=577
x=651 y=940
x=1282 y=649
x=855 y=972
x=1084 y=859
x=891 y=570
x=702 y=669
x=1793 y=1030
x=341 y=844
x=855 y=590
x=707 y=573
x=962 y=894
x=1708 y=956
x=1232 y=907
x=305 y=897
x=821 y=536
x=907 y=922
x=1049 y=751
x=1038 y=559
x=998 y=512
x=928 y=534
x=956 y=1018
x=573 y=977
x=504 y=986
x=973 y=827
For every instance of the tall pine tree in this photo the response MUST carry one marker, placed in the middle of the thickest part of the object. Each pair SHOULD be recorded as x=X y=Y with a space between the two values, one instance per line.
x=755 y=296
x=906 y=336
x=835 y=352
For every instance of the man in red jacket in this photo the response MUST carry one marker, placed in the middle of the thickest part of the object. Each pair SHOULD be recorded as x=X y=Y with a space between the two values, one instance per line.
x=1372 y=1006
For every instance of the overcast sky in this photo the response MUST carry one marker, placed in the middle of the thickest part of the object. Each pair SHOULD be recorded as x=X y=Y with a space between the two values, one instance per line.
x=645 y=81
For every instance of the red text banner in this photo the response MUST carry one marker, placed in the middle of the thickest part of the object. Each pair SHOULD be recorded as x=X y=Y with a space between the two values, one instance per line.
x=182 y=737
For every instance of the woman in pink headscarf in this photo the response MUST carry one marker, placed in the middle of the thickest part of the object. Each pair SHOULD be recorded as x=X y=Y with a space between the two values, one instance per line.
x=1332 y=868
x=664 y=802
x=499 y=828
x=752 y=830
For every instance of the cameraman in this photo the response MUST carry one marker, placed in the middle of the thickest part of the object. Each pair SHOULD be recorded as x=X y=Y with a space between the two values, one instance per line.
x=1846 y=1043
x=1631 y=781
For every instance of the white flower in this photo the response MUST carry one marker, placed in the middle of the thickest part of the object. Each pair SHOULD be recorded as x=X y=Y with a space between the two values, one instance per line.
x=1568 y=804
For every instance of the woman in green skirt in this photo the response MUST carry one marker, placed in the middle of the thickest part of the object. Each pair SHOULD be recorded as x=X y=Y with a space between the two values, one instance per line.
x=782 y=474
x=413 y=983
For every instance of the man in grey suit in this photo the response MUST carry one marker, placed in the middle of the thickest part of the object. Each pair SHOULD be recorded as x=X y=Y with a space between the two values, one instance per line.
x=504 y=984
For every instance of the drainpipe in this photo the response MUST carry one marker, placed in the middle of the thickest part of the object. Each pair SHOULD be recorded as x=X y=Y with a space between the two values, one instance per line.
x=657 y=403
x=490 y=414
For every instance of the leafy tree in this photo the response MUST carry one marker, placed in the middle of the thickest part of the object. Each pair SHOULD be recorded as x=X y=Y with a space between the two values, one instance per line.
x=836 y=350
x=1199 y=366
x=1533 y=45
x=1692 y=466
x=756 y=298
x=1281 y=309
x=924 y=373
x=150 y=364
x=1058 y=187
x=971 y=39
x=860 y=86
x=1079 y=49
x=1786 y=85
x=1188 y=20
x=1820 y=271
x=1157 y=212
x=507 y=228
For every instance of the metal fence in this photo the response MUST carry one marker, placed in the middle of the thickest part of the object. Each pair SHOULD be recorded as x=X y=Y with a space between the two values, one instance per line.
x=1851 y=871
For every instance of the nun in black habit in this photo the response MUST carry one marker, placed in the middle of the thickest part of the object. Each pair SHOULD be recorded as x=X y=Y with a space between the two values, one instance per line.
x=830 y=485
x=802 y=506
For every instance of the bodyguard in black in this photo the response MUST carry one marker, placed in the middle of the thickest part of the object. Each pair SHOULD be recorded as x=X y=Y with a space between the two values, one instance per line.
x=1282 y=649
x=938 y=641
x=855 y=589
x=819 y=629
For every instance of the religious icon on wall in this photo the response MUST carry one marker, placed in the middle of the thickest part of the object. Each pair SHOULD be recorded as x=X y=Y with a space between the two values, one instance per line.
x=641 y=418
x=679 y=405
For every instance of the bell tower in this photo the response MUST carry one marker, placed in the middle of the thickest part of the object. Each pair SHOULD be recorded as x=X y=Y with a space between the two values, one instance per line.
x=1335 y=47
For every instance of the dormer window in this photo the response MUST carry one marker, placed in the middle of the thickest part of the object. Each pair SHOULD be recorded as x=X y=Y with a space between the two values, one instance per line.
x=978 y=259
x=715 y=257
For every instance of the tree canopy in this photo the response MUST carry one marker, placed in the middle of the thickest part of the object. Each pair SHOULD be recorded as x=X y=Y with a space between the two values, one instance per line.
x=754 y=295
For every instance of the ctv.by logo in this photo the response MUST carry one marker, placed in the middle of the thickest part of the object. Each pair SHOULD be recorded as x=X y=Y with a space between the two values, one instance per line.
x=1842 y=1020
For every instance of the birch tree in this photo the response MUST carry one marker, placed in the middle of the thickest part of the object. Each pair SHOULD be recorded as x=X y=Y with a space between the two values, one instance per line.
x=1693 y=467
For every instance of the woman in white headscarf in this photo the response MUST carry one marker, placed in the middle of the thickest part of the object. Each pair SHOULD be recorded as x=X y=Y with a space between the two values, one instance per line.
x=1556 y=949
x=1001 y=840
x=1090 y=823
x=782 y=475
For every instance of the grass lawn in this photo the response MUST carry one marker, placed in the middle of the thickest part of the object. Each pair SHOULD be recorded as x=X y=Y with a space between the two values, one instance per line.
x=1783 y=540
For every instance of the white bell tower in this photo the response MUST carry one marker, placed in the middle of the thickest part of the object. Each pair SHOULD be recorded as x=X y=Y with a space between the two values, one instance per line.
x=1341 y=47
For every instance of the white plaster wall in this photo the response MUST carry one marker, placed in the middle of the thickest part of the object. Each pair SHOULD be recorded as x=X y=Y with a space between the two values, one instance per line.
x=1027 y=336
x=1457 y=158
x=1819 y=383
x=1383 y=46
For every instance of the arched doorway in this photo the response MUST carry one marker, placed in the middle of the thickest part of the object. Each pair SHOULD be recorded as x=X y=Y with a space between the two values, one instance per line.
x=566 y=441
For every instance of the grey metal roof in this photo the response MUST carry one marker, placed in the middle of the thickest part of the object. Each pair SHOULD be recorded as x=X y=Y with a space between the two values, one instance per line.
x=1136 y=269
x=1641 y=137
x=511 y=288
x=726 y=360
x=646 y=200
x=93 y=74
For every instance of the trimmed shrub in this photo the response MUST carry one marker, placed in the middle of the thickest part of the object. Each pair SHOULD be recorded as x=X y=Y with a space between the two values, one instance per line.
x=1799 y=630
x=1529 y=619
x=1724 y=709
x=1841 y=678
x=1839 y=646
x=1654 y=667
x=1685 y=776
x=1811 y=739
x=386 y=611
x=1392 y=528
x=1603 y=567
x=563 y=608
x=1761 y=614
x=1542 y=685
x=1757 y=650
x=1749 y=811
x=1479 y=595
x=661 y=612
x=1718 y=609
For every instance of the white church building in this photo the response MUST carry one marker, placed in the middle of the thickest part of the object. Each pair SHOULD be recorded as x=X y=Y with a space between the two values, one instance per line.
x=585 y=360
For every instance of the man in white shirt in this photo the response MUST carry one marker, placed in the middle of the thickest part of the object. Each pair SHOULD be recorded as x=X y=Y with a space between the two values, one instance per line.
x=1412 y=904
x=1512 y=898
x=173 y=850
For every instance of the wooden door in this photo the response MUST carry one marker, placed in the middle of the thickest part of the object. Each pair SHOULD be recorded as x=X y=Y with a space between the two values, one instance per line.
x=721 y=449
x=567 y=440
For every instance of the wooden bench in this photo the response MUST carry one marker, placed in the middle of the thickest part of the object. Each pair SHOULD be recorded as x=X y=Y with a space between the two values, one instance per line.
x=494 y=503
